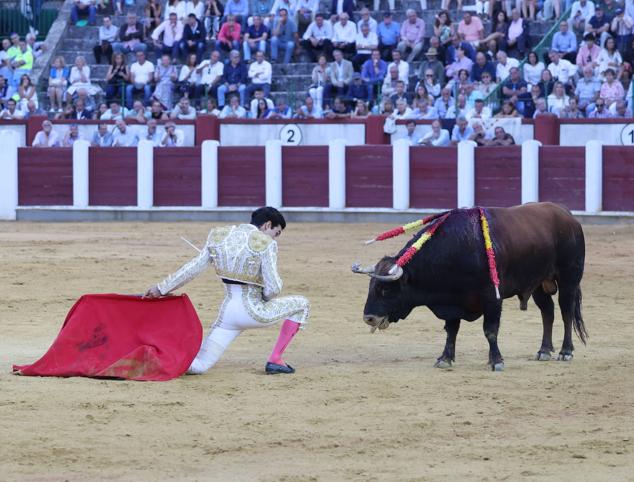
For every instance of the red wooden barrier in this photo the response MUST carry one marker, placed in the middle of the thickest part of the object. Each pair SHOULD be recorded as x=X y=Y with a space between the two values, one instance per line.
x=45 y=176
x=618 y=178
x=112 y=177
x=369 y=176
x=562 y=176
x=498 y=176
x=241 y=180
x=433 y=177
x=177 y=177
x=305 y=176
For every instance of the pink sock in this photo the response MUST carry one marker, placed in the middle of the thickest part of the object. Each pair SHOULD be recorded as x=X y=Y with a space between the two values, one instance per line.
x=287 y=332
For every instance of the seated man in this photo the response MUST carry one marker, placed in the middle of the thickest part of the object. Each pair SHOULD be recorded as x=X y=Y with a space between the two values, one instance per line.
x=437 y=137
x=102 y=136
x=501 y=138
x=470 y=29
x=366 y=42
x=82 y=8
x=167 y=36
x=183 y=110
x=461 y=131
x=412 y=35
x=373 y=72
x=309 y=110
x=341 y=71
x=173 y=137
x=388 y=33
x=47 y=137
x=193 y=39
x=283 y=36
x=233 y=110
x=281 y=110
x=344 y=35
x=260 y=73
x=141 y=77
x=123 y=136
x=210 y=75
x=229 y=35
x=131 y=36
x=318 y=38
x=255 y=37
x=517 y=34
x=234 y=79
x=107 y=36
x=565 y=42
x=258 y=95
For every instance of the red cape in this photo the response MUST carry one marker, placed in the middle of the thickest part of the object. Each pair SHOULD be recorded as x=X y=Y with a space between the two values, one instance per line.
x=117 y=336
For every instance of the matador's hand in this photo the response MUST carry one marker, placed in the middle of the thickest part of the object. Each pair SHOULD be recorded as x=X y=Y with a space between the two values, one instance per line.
x=153 y=292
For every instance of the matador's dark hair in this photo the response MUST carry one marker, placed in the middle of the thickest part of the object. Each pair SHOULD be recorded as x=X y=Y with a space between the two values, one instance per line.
x=261 y=215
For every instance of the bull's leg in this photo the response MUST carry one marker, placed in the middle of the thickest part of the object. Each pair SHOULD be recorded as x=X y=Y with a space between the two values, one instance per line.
x=449 y=353
x=567 y=306
x=545 y=303
x=491 y=326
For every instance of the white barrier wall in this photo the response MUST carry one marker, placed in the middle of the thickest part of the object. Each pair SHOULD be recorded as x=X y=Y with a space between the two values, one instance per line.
x=608 y=134
x=297 y=135
x=18 y=129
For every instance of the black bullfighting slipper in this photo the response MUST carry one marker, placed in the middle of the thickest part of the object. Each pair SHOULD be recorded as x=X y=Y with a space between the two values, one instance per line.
x=274 y=368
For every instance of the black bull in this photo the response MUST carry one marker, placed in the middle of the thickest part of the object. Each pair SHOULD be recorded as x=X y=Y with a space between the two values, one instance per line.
x=539 y=249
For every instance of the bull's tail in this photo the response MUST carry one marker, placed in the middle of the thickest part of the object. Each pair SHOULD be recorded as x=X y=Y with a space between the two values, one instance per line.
x=579 y=325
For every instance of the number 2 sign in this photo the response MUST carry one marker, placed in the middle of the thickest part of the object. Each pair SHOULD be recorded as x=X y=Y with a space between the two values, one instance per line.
x=291 y=135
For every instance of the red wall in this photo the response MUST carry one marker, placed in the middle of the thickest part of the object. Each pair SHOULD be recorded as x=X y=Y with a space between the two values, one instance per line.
x=618 y=178
x=305 y=176
x=562 y=176
x=177 y=177
x=112 y=177
x=498 y=176
x=369 y=176
x=241 y=179
x=45 y=176
x=433 y=177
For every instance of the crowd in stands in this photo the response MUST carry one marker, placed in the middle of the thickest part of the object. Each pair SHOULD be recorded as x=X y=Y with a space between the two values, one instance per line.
x=182 y=59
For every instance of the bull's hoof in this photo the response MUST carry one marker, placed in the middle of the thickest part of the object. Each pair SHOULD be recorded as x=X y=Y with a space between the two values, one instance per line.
x=498 y=367
x=565 y=357
x=542 y=356
x=442 y=363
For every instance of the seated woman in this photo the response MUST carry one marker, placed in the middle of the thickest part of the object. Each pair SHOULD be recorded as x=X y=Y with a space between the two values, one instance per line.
x=80 y=78
x=57 y=82
x=116 y=78
x=508 y=110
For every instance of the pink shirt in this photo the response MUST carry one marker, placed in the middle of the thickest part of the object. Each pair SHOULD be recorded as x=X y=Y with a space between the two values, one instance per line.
x=471 y=32
x=612 y=93
x=515 y=28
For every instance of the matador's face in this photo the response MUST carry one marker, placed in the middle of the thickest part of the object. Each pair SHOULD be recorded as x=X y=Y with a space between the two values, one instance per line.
x=270 y=230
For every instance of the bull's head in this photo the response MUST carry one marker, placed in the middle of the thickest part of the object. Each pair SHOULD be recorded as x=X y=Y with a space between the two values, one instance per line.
x=389 y=296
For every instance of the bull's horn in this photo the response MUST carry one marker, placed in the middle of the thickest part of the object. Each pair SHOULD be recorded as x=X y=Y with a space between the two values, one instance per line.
x=356 y=268
x=393 y=274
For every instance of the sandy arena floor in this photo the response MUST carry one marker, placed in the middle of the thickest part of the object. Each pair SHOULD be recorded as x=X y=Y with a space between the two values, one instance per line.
x=360 y=407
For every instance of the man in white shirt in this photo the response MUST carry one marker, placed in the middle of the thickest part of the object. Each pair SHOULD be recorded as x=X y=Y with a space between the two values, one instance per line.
x=122 y=136
x=183 y=110
x=344 y=34
x=561 y=69
x=152 y=134
x=47 y=137
x=505 y=64
x=366 y=42
x=479 y=111
x=173 y=137
x=306 y=11
x=581 y=13
x=11 y=112
x=401 y=65
x=366 y=19
x=172 y=31
x=260 y=73
x=257 y=96
x=402 y=111
x=437 y=137
x=107 y=36
x=209 y=75
x=116 y=112
x=233 y=110
x=141 y=75
x=318 y=38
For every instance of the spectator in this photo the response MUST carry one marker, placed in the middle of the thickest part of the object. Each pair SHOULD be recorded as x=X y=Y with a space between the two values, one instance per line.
x=388 y=33
x=102 y=137
x=412 y=35
x=361 y=110
x=588 y=54
x=401 y=65
x=57 y=82
x=621 y=110
x=167 y=36
x=175 y=6
x=239 y=10
x=582 y=11
x=261 y=8
x=82 y=8
x=462 y=63
x=281 y=110
x=194 y=34
x=317 y=38
x=357 y=89
x=470 y=29
x=107 y=36
x=319 y=77
x=32 y=110
x=47 y=137
x=547 y=9
x=532 y=69
x=479 y=111
x=215 y=12
x=588 y=88
x=212 y=108
x=599 y=112
x=498 y=31
x=89 y=102
x=233 y=80
x=153 y=12
x=517 y=33
x=195 y=8
x=571 y=111
x=432 y=63
x=340 y=110
x=558 y=100
x=390 y=82
x=546 y=83
x=80 y=78
x=599 y=25
x=561 y=69
x=443 y=28
x=279 y=5
x=458 y=109
x=501 y=138
x=479 y=135
x=72 y=136
x=424 y=110
x=260 y=73
x=366 y=19
x=514 y=88
x=451 y=53
x=461 y=131
x=152 y=134
x=421 y=92
x=131 y=36
x=183 y=110
x=138 y=113
x=410 y=133
x=5 y=92
x=487 y=86
x=340 y=77
x=399 y=93
x=444 y=103
x=481 y=65
x=564 y=42
x=386 y=107
x=189 y=83
x=255 y=37
x=284 y=36
x=117 y=77
x=437 y=137
x=340 y=7
x=165 y=76
x=508 y=111
x=609 y=58
x=309 y=110
x=233 y=110
x=141 y=77
x=210 y=75
x=11 y=112
x=504 y=66
x=122 y=136
x=373 y=73
x=173 y=137
x=157 y=112
x=21 y=62
x=366 y=42
x=229 y=35
x=402 y=111
x=115 y=112
x=431 y=83
x=37 y=48
x=80 y=112
x=344 y=35
x=306 y=11
x=257 y=110
x=611 y=90
x=622 y=25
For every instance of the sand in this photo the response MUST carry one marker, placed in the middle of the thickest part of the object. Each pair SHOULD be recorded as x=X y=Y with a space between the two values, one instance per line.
x=360 y=407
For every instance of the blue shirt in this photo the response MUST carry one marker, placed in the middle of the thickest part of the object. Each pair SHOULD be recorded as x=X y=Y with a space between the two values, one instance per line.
x=457 y=136
x=564 y=43
x=287 y=32
x=368 y=74
x=477 y=71
x=240 y=8
x=388 y=35
x=257 y=33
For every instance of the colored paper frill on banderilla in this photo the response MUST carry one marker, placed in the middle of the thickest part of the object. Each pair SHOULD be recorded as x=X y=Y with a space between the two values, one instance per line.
x=127 y=337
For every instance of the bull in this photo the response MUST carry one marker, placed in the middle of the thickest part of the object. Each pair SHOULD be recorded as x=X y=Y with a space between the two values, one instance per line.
x=539 y=250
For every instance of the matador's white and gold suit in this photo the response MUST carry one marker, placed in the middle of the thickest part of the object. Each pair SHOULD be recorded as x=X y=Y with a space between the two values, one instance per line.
x=246 y=260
